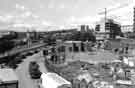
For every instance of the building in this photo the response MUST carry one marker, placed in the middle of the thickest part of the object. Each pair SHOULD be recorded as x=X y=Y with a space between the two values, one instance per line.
x=113 y=27
x=97 y=28
x=84 y=28
x=100 y=36
x=110 y=26
x=100 y=26
x=77 y=46
x=126 y=28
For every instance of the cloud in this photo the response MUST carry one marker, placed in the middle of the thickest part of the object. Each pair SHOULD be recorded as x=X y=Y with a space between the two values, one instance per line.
x=51 y=4
x=22 y=25
x=20 y=7
x=41 y=6
x=25 y=19
x=62 y=6
x=91 y=20
x=121 y=12
x=26 y=14
x=6 y=18
x=45 y=23
x=123 y=15
x=17 y=17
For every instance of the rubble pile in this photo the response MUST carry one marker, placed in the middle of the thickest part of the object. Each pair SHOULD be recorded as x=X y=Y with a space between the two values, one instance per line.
x=116 y=74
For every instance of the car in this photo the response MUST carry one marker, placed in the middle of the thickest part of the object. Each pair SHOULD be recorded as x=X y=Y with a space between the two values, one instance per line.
x=34 y=70
x=35 y=51
x=29 y=53
x=17 y=60
x=22 y=56
x=12 y=64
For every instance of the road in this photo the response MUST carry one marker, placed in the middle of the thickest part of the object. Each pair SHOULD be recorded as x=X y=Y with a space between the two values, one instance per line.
x=23 y=74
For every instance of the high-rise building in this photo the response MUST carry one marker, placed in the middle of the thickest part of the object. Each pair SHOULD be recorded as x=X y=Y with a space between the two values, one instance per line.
x=109 y=27
x=113 y=27
x=134 y=21
x=87 y=27
x=83 y=28
x=97 y=28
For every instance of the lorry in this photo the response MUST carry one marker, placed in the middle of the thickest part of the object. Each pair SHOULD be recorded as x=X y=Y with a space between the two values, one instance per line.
x=34 y=70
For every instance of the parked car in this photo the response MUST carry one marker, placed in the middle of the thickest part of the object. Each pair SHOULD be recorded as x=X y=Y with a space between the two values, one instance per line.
x=35 y=51
x=30 y=53
x=34 y=70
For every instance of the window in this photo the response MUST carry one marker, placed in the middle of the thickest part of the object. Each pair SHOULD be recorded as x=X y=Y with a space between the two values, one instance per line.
x=70 y=49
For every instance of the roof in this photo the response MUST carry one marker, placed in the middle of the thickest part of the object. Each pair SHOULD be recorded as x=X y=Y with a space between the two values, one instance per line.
x=126 y=82
x=7 y=75
x=52 y=78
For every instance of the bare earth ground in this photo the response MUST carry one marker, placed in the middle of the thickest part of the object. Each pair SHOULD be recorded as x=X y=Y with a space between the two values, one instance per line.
x=96 y=56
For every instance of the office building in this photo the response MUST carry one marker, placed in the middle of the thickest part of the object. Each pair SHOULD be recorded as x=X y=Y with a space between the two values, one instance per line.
x=126 y=28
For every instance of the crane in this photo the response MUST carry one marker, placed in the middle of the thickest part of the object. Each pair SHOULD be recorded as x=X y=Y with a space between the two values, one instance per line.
x=112 y=9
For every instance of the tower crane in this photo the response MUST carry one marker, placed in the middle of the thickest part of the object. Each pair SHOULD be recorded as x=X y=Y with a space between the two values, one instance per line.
x=112 y=9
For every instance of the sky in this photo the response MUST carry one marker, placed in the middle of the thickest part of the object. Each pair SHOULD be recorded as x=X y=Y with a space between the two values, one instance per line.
x=53 y=14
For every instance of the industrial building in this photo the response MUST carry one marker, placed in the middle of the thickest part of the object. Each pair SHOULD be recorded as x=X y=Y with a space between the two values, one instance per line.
x=109 y=26
x=126 y=28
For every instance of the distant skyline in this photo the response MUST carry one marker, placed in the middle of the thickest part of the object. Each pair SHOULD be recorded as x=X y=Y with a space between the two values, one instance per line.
x=61 y=13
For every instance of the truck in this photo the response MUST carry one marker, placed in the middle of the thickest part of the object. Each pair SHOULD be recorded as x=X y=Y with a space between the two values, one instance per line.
x=34 y=70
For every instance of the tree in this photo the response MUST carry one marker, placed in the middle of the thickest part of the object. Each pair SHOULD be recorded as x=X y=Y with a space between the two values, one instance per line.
x=6 y=45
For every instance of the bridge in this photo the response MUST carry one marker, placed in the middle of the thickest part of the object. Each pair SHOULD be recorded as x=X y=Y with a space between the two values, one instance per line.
x=24 y=48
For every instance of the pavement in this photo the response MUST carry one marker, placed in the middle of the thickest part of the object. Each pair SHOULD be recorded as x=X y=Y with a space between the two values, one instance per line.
x=23 y=74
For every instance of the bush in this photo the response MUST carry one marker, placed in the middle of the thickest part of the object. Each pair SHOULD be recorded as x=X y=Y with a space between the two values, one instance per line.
x=6 y=45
